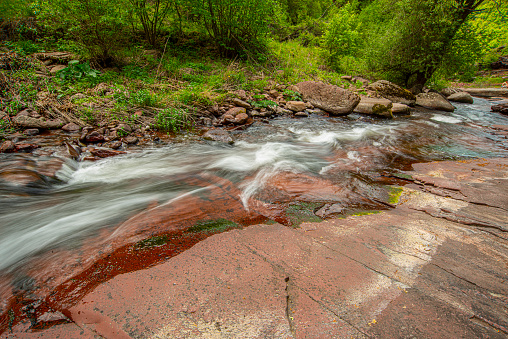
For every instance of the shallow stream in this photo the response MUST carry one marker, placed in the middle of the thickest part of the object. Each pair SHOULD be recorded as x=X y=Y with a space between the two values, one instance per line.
x=342 y=163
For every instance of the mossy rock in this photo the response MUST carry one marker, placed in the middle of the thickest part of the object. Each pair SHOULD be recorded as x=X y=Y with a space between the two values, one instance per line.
x=393 y=92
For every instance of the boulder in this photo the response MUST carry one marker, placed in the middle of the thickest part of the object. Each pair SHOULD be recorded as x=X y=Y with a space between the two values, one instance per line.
x=435 y=101
x=450 y=90
x=7 y=146
x=218 y=135
x=116 y=144
x=241 y=118
x=301 y=114
x=235 y=111
x=501 y=108
x=26 y=121
x=31 y=131
x=71 y=127
x=228 y=119
x=400 y=109
x=330 y=98
x=57 y=68
x=93 y=137
x=241 y=103
x=73 y=150
x=487 y=92
x=105 y=153
x=463 y=97
x=130 y=140
x=375 y=106
x=296 y=106
x=392 y=92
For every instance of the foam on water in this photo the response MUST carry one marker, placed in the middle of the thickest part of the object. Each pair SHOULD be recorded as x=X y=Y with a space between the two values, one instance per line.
x=446 y=118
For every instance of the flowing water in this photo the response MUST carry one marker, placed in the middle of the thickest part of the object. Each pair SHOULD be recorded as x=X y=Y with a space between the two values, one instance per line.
x=319 y=160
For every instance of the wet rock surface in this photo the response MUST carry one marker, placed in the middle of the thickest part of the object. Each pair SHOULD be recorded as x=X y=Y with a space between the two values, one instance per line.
x=428 y=266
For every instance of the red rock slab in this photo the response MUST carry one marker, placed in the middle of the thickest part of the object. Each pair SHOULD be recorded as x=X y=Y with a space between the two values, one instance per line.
x=481 y=181
x=340 y=278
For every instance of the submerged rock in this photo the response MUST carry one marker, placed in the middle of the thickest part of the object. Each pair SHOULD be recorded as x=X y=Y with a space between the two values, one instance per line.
x=330 y=98
x=434 y=100
x=392 y=92
x=219 y=135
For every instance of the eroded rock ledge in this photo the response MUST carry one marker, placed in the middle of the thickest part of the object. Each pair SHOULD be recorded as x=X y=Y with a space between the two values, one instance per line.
x=436 y=265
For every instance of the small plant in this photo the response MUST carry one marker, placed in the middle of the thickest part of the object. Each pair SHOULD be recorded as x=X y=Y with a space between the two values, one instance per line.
x=143 y=98
x=172 y=120
x=135 y=72
x=121 y=132
x=5 y=128
x=76 y=71
x=261 y=102
x=87 y=114
x=292 y=95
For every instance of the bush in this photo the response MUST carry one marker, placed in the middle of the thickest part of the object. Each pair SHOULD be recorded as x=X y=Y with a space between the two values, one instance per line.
x=238 y=27
x=342 y=37
x=99 y=26
x=172 y=120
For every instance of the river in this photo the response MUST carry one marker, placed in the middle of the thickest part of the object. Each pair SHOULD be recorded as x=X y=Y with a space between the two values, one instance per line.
x=337 y=166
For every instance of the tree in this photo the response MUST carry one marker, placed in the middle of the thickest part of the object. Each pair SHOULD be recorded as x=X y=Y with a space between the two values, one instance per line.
x=151 y=14
x=418 y=38
x=238 y=27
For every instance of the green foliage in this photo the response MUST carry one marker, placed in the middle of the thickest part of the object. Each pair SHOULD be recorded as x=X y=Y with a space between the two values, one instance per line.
x=75 y=71
x=5 y=128
x=143 y=97
x=342 y=38
x=151 y=15
x=292 y=95
x=237 y=27
x=407 y=41
x=99 y=26
x=260 y=101
x=172 y=120
x=135 y=72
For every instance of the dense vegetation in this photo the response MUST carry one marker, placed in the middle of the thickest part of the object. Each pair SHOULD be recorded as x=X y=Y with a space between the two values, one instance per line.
x=178 y=55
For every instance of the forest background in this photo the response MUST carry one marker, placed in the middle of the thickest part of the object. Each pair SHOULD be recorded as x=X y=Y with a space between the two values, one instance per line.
x=175 y=57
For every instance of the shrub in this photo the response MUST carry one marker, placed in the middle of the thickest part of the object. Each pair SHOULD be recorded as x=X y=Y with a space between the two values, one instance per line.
x=98 y=25
x=172 y=120
x=342 y=38
x=238 y=27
